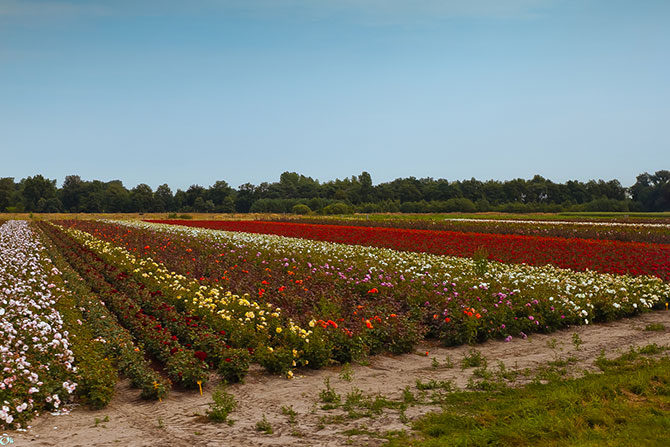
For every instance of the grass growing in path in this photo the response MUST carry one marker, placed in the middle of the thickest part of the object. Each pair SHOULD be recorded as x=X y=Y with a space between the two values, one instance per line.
x=628 y=404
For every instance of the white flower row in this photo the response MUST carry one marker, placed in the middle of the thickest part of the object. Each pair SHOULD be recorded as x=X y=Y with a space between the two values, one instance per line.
x=35 y=354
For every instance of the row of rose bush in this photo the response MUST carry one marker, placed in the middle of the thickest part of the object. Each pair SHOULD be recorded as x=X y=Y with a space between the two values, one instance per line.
x=365 y=299
x=96 y=373
x=656 y=233
x=38 y=370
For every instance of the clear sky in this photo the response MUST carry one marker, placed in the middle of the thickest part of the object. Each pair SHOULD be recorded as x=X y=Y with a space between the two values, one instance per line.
x=186 y=92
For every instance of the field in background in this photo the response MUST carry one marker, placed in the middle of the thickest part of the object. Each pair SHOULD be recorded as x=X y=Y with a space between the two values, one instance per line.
x=663 y=217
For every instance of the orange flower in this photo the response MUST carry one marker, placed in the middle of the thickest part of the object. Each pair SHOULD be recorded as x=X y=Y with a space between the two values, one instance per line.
x=368 y=324
x=393 y=315
x=478 y=316
x=373 y=290
x=447 y=319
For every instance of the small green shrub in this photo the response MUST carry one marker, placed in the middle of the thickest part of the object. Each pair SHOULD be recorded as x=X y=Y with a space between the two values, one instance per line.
x=300 y=209
x=336 y=208
x=234 y=364
x=223 y=404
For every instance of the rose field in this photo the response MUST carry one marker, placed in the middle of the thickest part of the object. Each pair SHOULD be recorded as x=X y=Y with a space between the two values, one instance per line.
x=607 y=256
x=93 y=310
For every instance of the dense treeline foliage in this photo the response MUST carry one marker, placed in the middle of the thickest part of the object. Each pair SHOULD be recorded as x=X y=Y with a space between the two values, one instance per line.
x=300 y=194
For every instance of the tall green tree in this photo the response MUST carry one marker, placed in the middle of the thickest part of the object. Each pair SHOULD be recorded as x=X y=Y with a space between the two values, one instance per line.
x=35 y=188
x=142 y=198
x=71 y=193
x=164 y=199
x=7 y=193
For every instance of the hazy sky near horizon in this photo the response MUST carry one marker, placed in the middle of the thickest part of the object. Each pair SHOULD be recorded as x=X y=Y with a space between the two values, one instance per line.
x=184 y=93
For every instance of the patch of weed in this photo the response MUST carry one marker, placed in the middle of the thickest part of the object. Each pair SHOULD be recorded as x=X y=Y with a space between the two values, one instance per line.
x=473 y=358
x=627 y=404
x=264 y=426
x=290 y=412
x=432 y=384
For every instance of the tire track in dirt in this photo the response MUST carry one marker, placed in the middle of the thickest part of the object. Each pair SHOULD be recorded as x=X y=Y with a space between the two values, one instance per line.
x=179 y=419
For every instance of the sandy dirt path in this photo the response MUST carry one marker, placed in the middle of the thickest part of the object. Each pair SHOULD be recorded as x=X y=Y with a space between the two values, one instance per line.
x=179 y=421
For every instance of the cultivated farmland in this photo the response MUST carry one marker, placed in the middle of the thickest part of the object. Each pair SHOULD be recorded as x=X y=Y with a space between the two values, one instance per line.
x=330 y=333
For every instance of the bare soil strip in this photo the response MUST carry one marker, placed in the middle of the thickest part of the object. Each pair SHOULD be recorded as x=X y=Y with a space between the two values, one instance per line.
x=179 y=420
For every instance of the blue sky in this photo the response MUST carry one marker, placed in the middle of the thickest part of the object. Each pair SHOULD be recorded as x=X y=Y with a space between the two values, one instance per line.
x=241 y=90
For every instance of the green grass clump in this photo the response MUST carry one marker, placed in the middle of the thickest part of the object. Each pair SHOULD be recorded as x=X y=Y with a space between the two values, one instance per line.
x=627 y=405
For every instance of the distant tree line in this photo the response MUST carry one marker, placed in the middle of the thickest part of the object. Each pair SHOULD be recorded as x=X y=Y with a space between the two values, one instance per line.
x=295 y=193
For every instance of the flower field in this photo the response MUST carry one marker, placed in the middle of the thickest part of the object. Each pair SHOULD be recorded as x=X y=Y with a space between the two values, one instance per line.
x=604 y=256
x=378 y=299
x=169 y=305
